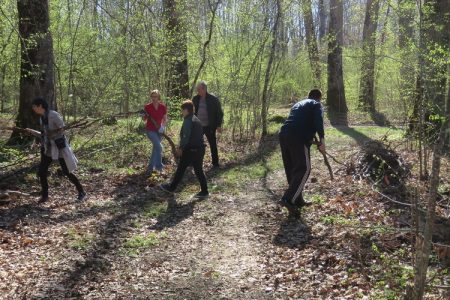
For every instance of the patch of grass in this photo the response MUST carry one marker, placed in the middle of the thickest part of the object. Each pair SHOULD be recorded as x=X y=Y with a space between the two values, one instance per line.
x=337 y=219
x=316 y=198
x=154 y=210
x=238 y=176
x=391 y=275
x=362 y=133
x=79 y=241
x=138 y=243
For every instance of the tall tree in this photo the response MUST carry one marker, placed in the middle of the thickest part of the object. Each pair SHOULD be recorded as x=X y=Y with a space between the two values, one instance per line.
x=406 y=39
x=436 y=18
x=322 y=19
x=311 y=42
x=177 y=74
x=336 y=93
x=367 y=83
x=273 y=48
x=36 y=69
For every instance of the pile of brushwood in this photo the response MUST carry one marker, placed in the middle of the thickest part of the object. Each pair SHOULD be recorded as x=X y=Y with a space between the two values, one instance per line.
x=378 y=163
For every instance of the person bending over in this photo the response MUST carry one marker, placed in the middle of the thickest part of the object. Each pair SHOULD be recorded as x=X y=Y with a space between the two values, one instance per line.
x=54 y=146
x=296 y=136
x=192 y=151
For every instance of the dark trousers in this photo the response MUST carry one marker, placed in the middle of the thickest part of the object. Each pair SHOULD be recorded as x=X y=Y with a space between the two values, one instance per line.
x=210 y=134
x=194 y=158
x=297 y=165
x=46 y=161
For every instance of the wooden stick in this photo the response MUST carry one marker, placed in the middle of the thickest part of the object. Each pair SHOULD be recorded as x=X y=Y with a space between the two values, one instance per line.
x=325 y=159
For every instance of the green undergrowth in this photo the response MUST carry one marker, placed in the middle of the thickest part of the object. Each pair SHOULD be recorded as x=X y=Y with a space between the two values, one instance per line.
x=138 y=243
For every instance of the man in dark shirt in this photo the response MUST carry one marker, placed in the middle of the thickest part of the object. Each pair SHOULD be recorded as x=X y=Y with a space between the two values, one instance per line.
x=192 y=150
x=209 y=111
x=296 y=136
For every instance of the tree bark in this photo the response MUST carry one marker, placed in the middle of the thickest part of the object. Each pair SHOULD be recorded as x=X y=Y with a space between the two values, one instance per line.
x=336 y=93
x=36 y=69
x=436 y=43
x=367 y=83
x=311 y=42
x=406 y=38
x=177 y=74
x=265 y=95
x=322 y=20
x=423 y=243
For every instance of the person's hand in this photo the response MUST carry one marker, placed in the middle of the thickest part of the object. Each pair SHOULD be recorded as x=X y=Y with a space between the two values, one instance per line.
x=35 y=146
x=219 y=129
x=179 y=152
x=322 y=147
x=161 y=129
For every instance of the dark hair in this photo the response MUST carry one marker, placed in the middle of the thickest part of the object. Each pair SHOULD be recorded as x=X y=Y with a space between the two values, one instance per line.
x=187 y=104
x=39 y=101
x=315 y=94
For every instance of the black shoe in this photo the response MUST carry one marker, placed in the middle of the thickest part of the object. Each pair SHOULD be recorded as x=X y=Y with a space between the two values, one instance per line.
x=81 y=197
x=166 y=188
x=43 y=199
x=292 y=209
x=201 y=195
x=303 y=203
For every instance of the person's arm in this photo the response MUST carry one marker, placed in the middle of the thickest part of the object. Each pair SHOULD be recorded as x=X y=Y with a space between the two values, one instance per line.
x=186 y=129
x=219 y=114
x=58 y=124
x=144 y=114
x=318 y=122
x=164 y=119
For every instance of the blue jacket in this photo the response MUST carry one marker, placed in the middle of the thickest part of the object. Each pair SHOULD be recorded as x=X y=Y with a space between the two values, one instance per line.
x=304 y=121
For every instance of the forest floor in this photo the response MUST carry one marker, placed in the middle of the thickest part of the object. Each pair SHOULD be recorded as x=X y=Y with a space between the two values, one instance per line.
x=129 y=240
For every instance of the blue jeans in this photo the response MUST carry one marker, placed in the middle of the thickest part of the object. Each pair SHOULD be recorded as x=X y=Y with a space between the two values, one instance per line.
x=155 y=162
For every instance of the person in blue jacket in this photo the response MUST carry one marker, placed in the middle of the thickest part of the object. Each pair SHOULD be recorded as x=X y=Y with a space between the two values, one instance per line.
x=296 y=135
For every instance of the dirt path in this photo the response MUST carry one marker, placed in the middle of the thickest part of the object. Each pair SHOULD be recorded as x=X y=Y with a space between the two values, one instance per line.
x=126 y=242
x=211 y=249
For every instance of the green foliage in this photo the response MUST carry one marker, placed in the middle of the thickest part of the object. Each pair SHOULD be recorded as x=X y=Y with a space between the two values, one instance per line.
x=79 y=241
x=8 y=154
x=154 y=210
x=138 y=243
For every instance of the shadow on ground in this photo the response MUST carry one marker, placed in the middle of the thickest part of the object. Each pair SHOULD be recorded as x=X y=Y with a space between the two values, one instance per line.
x=292 y=234
x=131 y=203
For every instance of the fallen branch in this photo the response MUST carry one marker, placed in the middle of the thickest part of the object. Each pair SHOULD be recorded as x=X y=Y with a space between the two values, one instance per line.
x=325 y=159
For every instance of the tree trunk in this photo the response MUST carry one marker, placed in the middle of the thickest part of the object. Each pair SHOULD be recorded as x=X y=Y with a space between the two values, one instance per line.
x=406 y=37
x=311 y=42
x=436 y=42
x=423 y=243
x=265 y=95
x=367 y=83
x=36 y=69
x=177 y=74
x=322 y=20
x=336 y=93
x=205 y=45
x=2 y=89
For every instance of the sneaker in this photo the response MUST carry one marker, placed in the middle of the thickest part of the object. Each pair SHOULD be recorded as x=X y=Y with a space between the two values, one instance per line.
x=43 y=199
x=81 y=197
x=166 y=188
x=201 y=195
x=292 y=209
